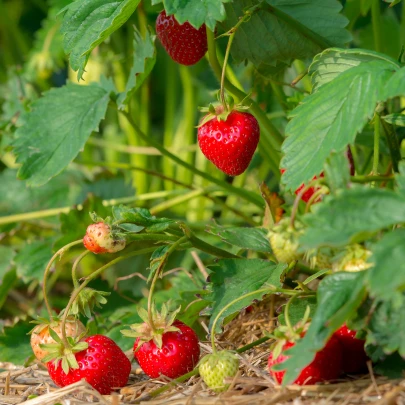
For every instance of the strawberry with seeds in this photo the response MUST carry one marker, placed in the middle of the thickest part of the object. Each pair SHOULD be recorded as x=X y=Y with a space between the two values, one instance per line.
x=168 y=347
x=184 y=44
x=97 y=359
x=229 y=139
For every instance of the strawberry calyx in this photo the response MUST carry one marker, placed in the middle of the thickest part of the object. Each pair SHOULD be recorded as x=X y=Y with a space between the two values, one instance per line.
x=87 y=300
x=352 y=258
x=162 y=323
x=59 y=353
x=287 y=333
x=222 y=109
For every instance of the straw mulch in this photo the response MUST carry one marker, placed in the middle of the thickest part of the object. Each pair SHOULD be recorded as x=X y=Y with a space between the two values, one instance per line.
x=251 y=386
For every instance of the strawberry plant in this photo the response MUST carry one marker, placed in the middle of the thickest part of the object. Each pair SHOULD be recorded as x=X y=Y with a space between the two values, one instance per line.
x=166 y=165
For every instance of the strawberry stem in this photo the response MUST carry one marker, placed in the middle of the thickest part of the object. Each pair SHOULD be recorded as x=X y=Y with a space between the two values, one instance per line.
x=74 y=268
x=377 y=132
x=59 y=253
x=157 y=274
x=223 y=74
x=91 y=277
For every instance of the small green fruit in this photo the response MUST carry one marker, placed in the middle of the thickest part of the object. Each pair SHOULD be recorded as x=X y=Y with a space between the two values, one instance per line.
x=214 y=368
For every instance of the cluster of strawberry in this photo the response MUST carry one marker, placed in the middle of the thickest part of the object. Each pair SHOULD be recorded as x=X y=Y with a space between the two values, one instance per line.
x=227 y=138
x=342 y=353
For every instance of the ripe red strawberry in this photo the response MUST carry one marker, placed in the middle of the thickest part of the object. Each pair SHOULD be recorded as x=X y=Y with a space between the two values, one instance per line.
x=354 y=355
x=230 y=144
x=183 y=43
x=99 y=239
x=179 y=353
x=103 y=365
x=40 y=334
x=327 y=364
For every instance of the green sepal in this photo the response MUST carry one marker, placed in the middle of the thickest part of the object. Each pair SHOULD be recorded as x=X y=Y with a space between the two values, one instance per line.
x=162 y=321
x=87 y=300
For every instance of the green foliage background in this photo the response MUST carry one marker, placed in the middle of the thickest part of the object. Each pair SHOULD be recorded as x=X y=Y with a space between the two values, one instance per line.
x=95 y=114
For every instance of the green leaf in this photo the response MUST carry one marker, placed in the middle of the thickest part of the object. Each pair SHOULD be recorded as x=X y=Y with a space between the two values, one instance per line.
x=351 y=216
x=32 y=259
x=395 y=86
x=393 y=2
x=392 y=366
x=17 y=197
x=144 y=59
x=57 y=129
x=386 y=328
x=7 y=255
x=395 y=119
x=284 y=30
x=339 y=294
x=8 y=280
x=247 y=238
x=232 y=278
x=157 y=260
x=329 y=120
x=14 y=345
x=387 y=278
x=329 y=64
x=298 y=308
x=365 y=6
x=141 y=217
x=337 y=171
x=87 y=23
x=196 y=12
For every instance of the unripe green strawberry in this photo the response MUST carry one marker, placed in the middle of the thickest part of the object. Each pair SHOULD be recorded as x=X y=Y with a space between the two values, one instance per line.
x=284 y=241
x=321 y=258
x=354 y=258
x=215 y=367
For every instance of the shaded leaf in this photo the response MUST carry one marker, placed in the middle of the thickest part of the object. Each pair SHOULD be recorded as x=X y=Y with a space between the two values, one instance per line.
x=395 y=119
x=232 y=278
x=285 y=30
x=297 y=310
x=329 y=64
x=337 y=171
x=396 y=85
x=386 y=328
x=14 y=346
x=329 y=120
x=144 y=58
x=87 y=23
x=7 y=282
x=351 y=216
x=57 y=129
x=32 y=259
x=387 y=278
x=141 y=217
x=247 y=238
x=7 y=255
x=196 y=12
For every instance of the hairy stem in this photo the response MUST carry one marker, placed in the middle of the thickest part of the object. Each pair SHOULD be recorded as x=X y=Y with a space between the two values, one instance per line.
x=91 y=277
x=59 y=253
